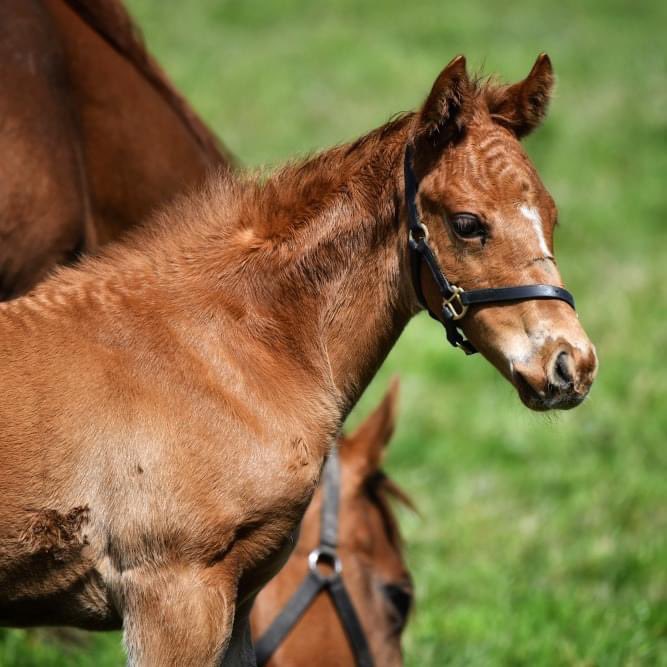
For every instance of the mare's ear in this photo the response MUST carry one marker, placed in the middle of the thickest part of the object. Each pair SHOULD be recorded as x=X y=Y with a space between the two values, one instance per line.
x=444 y=113
x=522 y=106
x=364 y=449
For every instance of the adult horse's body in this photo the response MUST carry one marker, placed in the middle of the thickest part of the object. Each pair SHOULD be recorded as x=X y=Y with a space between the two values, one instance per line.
x=92 y=135
x=166 y=408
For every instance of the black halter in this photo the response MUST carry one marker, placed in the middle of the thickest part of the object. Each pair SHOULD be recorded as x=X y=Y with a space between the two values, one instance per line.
x=316 y=581
x=456 y=300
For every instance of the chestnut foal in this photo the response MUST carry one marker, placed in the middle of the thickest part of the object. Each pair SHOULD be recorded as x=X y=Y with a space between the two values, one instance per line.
x=344 y=596
x=94 y=136
x=167 y=407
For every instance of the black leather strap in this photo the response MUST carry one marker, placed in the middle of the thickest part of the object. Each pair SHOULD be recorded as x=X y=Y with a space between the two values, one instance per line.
x=421 y=251
x=316 y=581
x=495 y=294
x=350 y=620
x=288 y=617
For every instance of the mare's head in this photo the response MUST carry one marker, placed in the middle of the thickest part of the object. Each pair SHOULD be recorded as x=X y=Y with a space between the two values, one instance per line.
x=370 y=551
x=491 y=224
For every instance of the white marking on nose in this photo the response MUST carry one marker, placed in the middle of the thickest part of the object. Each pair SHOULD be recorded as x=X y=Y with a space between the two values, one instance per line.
x=520 y=348
x=531 y=214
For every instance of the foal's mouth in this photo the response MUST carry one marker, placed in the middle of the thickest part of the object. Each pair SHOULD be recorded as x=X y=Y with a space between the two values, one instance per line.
x=549 y=398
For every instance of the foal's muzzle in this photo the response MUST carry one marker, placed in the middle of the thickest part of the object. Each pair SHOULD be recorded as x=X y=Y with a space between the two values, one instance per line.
x=562 y=383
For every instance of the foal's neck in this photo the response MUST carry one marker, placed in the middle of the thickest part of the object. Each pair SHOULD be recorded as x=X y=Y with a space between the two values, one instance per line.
x=344 y=286
x=303 y=275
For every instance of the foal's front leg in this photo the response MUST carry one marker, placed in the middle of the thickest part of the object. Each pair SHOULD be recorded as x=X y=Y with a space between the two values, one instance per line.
x=177 y=616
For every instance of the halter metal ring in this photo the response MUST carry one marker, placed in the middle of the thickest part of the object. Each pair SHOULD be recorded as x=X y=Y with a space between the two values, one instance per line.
x=327 y=555
x=424 y=231
x=455 y=298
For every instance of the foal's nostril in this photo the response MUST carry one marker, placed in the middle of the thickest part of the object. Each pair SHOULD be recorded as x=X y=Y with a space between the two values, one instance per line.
x=562 y=374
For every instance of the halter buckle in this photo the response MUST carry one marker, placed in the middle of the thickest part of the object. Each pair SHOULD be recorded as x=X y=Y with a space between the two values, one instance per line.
x=455 y=298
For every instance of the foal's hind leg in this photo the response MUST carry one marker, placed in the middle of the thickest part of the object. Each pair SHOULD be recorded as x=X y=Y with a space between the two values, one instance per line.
x=177 y=616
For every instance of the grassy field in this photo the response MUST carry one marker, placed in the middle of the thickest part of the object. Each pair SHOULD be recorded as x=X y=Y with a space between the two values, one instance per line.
x=542 y=540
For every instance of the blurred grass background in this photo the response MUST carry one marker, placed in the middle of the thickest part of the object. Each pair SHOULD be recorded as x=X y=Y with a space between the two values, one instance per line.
x=543 y=539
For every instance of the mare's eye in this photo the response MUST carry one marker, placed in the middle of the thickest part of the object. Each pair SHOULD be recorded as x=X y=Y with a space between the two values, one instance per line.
x=400 y=598
x=467 y=226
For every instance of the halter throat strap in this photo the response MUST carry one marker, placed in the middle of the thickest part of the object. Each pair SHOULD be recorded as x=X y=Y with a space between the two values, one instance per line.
x=456 y=300
x=316 y=581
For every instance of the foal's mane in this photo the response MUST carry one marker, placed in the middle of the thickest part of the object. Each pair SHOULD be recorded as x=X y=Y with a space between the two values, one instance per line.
x=254 y=221
x=354 y=173
x=111 y=21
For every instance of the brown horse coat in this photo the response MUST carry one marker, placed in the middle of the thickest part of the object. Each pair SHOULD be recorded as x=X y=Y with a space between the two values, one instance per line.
x=370 y=550
x=166 y=407
x=92 y=135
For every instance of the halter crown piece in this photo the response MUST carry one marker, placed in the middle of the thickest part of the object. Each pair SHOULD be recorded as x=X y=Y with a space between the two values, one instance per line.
x=456 y=300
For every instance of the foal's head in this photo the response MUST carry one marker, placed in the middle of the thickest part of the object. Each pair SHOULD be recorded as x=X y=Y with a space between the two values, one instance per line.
x=491 y=223
x=370 y=551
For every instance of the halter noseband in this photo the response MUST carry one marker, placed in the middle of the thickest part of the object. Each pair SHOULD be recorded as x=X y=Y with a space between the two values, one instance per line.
x=456 y=300
x=317 y=581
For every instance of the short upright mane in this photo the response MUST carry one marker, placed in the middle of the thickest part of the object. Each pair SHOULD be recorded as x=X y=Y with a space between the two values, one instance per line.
x=110 y=20
x=357 y=171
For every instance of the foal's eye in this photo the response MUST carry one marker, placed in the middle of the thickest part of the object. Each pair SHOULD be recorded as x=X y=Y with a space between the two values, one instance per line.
x=467 y=226
x=400 y=598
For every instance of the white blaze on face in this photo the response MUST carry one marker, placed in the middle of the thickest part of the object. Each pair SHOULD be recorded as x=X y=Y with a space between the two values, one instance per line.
x=533 y=216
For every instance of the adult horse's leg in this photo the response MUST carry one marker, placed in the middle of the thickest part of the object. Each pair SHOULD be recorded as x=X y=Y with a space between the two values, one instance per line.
x=180 y=615
x=44 y=216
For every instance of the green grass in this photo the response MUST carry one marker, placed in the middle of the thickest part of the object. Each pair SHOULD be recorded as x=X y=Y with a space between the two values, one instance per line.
x=542 y=540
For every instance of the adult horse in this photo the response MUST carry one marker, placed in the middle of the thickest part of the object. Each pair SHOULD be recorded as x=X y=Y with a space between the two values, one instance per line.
x=344 y=596
x=167 y=407
x=92 y=134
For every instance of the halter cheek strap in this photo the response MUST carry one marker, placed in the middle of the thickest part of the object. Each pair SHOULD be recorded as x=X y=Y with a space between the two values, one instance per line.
x=316 y=581
x=456 y=300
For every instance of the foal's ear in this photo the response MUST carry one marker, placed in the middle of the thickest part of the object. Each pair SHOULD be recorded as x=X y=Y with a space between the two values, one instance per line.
x=366 y=446
x=522 y=107
x=443 y=115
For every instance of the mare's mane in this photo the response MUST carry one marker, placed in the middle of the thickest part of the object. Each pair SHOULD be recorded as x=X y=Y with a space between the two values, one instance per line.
x=111 y=21
x=381 y=490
